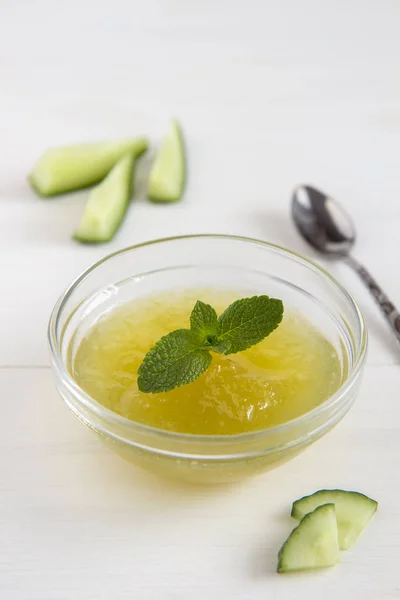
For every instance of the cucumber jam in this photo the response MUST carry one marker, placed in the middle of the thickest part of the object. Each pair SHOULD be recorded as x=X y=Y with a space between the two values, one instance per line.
x=286 y=375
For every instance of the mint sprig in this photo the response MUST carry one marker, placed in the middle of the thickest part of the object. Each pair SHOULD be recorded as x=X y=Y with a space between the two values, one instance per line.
x=181 y=356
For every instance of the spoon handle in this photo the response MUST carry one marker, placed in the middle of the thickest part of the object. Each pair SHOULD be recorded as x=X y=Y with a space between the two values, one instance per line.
x=388 y=309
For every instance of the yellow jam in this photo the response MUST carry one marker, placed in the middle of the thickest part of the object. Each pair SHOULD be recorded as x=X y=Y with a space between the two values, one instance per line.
x=288 y=374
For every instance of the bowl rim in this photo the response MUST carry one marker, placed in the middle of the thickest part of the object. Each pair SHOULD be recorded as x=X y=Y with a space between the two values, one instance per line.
x=114 y=418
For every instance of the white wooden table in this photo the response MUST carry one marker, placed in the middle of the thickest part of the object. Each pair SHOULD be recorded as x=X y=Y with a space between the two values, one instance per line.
x=271 y=94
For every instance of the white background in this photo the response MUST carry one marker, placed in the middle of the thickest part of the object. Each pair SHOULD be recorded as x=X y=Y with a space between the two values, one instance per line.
x=270 y=94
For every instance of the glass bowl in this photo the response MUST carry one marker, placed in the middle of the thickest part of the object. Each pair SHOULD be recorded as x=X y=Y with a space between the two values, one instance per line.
x=244 y=265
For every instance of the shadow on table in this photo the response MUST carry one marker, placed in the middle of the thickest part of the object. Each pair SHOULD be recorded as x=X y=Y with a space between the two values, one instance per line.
x=277 y=228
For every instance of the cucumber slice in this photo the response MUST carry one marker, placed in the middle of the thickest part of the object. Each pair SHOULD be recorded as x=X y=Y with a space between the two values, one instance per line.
x=167 y=176
x=313 y=544
x=107 y=204
x=353 y=512
x=69 y=168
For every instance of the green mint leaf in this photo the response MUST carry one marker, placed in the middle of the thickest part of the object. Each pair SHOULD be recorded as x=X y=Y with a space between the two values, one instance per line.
x=219 y=346
x=181 y=356
x=175 y=360
x=204 y=321
x=248 y=321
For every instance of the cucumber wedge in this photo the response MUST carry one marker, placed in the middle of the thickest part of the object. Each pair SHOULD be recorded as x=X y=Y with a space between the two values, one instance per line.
x=107 y=204
x=353 y=512
x=168 y=174
x=313 y=544
x=69 y=168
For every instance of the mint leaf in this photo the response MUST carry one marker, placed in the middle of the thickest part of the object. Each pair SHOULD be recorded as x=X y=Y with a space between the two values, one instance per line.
x=248 y=321
x=175 y=360
x=181 y=356
x=218 y=345
x=204 y=322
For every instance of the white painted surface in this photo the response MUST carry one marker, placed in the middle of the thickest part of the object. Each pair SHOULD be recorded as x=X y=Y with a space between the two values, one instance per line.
x=270 y=93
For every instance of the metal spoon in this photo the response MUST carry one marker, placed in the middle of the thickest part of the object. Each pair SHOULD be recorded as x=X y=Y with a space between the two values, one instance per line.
x=329 y=229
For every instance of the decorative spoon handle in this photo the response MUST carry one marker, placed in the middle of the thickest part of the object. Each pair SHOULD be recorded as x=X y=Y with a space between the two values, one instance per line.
x=386 y=306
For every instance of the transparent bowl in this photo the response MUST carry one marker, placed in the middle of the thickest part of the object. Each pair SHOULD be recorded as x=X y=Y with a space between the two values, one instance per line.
x=222 y=262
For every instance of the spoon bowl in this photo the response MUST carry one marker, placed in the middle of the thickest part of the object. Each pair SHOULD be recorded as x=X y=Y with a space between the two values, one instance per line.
x=322 y=221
